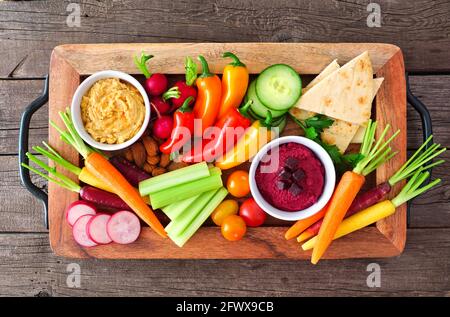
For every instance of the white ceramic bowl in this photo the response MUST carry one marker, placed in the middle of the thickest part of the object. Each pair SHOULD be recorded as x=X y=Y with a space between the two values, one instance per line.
x=76 y=109
x=330 y=179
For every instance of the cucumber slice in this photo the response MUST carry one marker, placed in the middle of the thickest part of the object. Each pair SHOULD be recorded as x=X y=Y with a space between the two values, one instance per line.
x=281 y=123
x=257 y=107
x=278 y=87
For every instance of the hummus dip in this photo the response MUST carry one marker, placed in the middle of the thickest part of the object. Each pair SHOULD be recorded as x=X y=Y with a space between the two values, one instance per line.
x=290 y=177
x=112 y=111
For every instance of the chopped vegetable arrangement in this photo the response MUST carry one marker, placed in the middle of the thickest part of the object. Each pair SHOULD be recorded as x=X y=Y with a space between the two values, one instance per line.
x=175 y=176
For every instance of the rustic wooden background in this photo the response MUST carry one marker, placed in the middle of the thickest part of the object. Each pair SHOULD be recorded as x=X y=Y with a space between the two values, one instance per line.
x=29 y=31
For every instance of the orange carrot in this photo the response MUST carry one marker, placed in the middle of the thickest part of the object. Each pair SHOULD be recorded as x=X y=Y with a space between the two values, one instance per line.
x=106 y=172
x=302 y=224
x=343 y=196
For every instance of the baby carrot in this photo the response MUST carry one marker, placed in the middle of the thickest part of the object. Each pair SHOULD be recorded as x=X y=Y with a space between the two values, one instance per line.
x=302 y=224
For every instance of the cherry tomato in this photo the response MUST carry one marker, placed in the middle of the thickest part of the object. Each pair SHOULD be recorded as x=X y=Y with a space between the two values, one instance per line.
x=233 y=228
x=237 y=184
x=226 y=208
x=252 y=214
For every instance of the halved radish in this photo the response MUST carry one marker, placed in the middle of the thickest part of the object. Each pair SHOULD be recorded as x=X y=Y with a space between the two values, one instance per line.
x=96 y=229
x=77 y=209
x=79 y=231
x=124 y=227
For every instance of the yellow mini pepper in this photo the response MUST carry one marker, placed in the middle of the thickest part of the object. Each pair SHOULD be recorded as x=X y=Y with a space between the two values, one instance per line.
x=254 y=138
x=234 y=84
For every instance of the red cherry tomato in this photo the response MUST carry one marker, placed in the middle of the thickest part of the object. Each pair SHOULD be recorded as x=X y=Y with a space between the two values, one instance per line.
x=252 y=214
x=233 y=228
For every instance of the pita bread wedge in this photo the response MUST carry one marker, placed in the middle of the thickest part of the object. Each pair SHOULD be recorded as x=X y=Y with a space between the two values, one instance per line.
x=345 y=94
x=341 y=133
x=358 y=137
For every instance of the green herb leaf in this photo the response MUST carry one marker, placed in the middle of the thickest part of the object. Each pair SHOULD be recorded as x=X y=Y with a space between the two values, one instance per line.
x=319 y=122
x=353 y=158
x=191 y=71
x=311 y=133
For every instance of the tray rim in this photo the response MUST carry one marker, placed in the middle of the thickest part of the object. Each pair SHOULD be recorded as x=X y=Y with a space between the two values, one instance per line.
x=70 y=61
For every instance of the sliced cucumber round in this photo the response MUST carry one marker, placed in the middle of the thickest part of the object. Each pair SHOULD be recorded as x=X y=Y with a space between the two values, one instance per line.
x=278 y=87
x=257 y=107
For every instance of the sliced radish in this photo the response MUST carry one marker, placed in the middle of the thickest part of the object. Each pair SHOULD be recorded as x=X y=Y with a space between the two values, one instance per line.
x=79 y=231
x=124 y=227
x=77 y=209
x=96 y=229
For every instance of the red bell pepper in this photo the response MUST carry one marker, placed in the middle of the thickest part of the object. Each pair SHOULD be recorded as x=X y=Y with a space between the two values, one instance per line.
x=183 y=128
x=224 y=135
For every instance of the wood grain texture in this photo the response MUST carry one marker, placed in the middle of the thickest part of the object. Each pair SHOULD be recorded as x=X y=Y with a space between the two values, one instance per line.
x=29 y=268
x=69 y=62
x=391 y=109
x=31 y=29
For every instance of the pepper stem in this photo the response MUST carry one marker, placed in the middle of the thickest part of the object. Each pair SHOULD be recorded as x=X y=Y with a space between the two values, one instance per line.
x=141 y=64
x=236 y=61
x=244 y=109
x=268 y=120
x=185 y=107
x=205 y=67
x=173 y=92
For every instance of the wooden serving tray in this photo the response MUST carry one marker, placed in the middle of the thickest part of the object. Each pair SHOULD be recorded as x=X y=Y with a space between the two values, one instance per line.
x=70 y=63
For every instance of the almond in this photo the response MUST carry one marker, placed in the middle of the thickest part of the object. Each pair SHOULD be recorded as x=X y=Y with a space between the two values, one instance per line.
x=151 y=146
x=148 y=168
x=128 y=154
x=165 y=160
x=153 y=159
x=176 y=165
x=139 y=154
x=158 y=171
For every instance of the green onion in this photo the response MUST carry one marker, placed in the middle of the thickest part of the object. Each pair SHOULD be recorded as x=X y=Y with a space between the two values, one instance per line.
x=174 y=210
x=174 y=178
x=417 y=160
x=181 y=239
x=185 y=190
x=179 y=224
x=375 y=152
x=413 y=189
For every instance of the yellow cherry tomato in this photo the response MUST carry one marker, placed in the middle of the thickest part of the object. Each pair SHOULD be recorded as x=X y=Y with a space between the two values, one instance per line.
x=233 y=228
x=237 y=184
x=226 y=208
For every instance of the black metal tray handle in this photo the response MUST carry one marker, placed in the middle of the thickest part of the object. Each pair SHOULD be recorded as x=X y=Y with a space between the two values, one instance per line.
x=42 y=100
x=23 y=148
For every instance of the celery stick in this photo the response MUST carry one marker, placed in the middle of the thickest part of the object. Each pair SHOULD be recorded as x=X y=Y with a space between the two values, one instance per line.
x=173 y=194
x=180 y=240
x=183 y=221
x=173 y=210
x=174 y=178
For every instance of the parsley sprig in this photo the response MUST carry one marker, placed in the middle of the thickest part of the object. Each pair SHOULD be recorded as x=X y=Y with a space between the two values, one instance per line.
x=313 y=127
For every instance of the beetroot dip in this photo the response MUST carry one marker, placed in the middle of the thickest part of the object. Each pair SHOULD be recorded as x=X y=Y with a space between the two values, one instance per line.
x=290 y=177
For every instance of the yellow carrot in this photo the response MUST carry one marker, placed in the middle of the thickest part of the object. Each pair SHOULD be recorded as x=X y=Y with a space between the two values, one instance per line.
x=86 y=177
x=380 y=210
x=358 y=221
x=302 y=224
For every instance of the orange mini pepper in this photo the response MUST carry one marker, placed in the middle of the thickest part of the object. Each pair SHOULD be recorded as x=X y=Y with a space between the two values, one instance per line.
x=209 y=95
x=234 y=84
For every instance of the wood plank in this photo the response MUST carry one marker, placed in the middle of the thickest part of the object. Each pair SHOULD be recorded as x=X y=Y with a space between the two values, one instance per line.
x=31 y=29
x=19 y=211
x=28 y=268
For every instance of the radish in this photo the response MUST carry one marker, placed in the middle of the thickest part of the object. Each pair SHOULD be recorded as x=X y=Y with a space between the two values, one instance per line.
x=179 y=93
x=130 y=171
x=155 y=84
x=78 y=209
x=124 y=227
x=79 y=231
x=160 y=104
x=162 y=126
x=96 y=229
